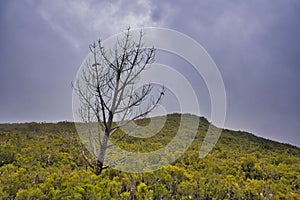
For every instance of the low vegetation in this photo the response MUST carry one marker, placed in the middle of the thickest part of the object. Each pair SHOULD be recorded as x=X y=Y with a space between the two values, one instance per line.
x=44 y=161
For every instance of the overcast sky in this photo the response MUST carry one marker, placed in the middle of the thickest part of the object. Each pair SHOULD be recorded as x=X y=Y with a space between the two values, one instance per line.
x=255 y=44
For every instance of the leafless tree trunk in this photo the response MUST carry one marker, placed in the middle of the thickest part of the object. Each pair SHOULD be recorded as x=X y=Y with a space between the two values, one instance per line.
x=107 y=92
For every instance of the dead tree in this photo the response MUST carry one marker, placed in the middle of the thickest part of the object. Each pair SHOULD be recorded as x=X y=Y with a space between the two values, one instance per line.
x=107 y=93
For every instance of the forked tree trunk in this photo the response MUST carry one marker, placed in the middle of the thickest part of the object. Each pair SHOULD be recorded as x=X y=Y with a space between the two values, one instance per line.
x=107 y=86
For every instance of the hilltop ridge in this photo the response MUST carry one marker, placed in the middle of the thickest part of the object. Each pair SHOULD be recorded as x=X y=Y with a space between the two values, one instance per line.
x=44 y=161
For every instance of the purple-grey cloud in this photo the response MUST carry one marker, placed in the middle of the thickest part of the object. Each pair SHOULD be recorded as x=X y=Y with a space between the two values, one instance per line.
x=255 y=44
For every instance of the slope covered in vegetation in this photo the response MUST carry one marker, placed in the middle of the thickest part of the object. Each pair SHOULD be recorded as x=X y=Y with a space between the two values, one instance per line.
x=44 y=161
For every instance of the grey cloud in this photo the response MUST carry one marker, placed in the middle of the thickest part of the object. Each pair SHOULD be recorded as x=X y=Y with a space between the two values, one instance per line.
x=255 y=44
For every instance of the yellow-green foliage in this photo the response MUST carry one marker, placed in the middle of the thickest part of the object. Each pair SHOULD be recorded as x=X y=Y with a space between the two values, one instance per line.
x=43 y=161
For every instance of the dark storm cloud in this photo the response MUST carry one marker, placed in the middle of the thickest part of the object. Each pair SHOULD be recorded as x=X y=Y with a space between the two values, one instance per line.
x=42 y=46
x=35 y=70
x=255 y=44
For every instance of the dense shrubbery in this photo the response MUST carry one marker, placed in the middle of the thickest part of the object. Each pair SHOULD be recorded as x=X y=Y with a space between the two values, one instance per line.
x=43 y=161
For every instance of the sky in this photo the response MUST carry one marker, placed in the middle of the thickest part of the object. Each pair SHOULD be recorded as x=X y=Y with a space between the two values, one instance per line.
x=255 y=44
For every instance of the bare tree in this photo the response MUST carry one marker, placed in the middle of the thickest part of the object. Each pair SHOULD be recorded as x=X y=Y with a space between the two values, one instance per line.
x=107 y=92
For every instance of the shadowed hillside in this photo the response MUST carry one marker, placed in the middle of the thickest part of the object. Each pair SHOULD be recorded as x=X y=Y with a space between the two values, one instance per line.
x=44 y=161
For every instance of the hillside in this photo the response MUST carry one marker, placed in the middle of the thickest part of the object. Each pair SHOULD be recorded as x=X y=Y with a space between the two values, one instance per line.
x=44 y=161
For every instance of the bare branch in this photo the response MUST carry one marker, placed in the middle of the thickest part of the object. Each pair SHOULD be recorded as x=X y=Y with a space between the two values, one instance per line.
x=106 y=90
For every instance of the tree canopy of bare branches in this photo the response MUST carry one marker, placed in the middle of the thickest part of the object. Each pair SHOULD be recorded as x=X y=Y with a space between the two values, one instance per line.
x=107 y=92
